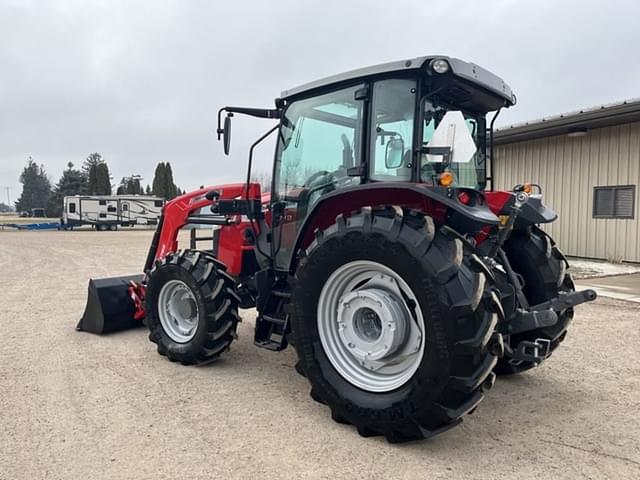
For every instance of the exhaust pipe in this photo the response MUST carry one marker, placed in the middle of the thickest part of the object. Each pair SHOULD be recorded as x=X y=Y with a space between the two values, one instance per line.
x=110 y=306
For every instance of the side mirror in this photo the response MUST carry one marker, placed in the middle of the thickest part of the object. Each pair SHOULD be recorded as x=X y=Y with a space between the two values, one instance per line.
x=394 y=153
x=226 y=134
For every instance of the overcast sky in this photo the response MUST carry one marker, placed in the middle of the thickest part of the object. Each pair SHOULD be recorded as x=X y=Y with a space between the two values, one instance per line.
x=141 y=81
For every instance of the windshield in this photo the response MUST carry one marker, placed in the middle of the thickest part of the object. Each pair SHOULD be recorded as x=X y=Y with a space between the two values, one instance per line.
x=469 y=170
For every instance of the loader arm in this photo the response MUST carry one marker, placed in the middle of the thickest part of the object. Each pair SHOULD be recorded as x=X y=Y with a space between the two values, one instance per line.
x=176 y=213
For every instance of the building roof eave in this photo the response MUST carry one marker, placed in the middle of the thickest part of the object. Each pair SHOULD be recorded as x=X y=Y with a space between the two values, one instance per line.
x=627 y=111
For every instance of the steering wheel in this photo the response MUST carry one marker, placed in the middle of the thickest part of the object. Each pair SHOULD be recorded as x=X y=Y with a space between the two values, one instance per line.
x=310 y=181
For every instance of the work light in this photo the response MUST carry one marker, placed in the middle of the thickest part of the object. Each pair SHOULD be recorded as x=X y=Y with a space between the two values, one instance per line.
x=440 y=65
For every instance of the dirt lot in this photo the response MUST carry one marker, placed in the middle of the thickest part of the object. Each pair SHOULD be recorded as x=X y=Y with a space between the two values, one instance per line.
x=74 y=405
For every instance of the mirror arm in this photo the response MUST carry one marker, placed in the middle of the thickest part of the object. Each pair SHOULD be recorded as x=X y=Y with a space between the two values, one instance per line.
x=253 y=146
x=271 y=113
x=252 y=112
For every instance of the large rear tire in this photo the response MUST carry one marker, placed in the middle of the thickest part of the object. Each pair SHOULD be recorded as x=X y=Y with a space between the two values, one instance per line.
x=543 y=268
x=191 y=307
x=430 y=277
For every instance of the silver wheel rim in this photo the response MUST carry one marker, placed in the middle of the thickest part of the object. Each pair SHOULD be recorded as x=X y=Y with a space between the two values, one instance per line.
x=371 y=326
x=178 y=311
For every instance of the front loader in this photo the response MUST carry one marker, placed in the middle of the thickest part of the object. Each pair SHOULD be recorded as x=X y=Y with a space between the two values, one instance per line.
x=404 y=284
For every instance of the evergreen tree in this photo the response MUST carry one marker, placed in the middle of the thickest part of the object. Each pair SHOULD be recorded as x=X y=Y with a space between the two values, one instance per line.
x=103 y=180
x=72 y=182
x=36 y=187
x=170 y=187
x=158 y=180
x=97 y=172
x=130 y=186
x=148 y=190
x=90 y=171
x=163 y=185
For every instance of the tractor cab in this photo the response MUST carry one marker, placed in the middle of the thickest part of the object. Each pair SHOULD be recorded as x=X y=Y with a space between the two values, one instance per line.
x=421 y=120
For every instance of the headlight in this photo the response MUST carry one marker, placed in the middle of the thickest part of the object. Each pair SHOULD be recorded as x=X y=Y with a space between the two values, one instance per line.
x=440 y=65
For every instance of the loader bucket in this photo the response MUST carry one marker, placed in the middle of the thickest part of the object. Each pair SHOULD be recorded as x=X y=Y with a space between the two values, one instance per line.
x=109 y=305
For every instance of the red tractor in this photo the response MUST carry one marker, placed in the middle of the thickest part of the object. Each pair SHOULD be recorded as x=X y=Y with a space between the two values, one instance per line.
x=403 y=284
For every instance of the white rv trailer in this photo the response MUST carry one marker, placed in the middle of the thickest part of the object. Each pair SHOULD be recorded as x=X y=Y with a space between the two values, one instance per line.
x=106 y=212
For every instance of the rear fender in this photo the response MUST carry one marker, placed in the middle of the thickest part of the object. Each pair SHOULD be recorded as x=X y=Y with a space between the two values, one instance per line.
x=533 y=212
x=440 y=203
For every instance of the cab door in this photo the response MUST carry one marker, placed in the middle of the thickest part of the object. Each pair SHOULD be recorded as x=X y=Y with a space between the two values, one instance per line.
x=318 y=148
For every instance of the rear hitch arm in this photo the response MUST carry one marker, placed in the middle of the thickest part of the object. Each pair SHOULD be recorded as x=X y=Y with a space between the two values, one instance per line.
x=566 y=300
x=546 y=314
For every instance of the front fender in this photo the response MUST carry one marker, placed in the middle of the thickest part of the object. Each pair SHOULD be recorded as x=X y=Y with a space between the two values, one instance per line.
x=440 y=203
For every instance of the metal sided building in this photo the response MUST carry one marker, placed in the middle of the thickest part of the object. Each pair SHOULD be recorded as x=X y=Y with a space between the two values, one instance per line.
x=588 y=165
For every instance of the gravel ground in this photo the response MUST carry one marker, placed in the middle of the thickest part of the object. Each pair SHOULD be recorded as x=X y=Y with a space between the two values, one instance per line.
x=75 y=405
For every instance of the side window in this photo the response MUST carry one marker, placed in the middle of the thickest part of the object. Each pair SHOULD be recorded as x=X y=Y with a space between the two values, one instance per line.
x=470 y=170
x=318 y=143
x=392 y=129
x=157 y=203
x=125 y=207
x=102 y=202
x=72 y=207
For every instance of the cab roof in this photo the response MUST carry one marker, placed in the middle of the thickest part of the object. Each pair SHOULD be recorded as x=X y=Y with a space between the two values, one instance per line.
x=465 y=70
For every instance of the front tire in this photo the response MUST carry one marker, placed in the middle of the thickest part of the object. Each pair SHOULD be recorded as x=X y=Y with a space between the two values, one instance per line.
x=446 y=300
x=191 y=307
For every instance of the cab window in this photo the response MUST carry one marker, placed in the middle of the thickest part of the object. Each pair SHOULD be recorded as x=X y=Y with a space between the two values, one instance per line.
x=392 y=129
x=471 y=171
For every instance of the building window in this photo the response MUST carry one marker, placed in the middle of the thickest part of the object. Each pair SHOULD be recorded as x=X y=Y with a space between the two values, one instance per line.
x=614 y=202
